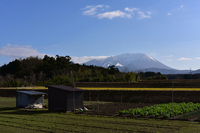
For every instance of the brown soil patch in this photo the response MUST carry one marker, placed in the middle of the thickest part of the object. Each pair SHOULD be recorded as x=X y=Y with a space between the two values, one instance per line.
x=111 y=109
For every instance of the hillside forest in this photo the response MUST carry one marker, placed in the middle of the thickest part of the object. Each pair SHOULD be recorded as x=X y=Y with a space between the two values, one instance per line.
x=60 y=70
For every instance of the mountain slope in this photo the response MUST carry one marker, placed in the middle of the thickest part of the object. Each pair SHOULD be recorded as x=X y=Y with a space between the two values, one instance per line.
x=130 y=62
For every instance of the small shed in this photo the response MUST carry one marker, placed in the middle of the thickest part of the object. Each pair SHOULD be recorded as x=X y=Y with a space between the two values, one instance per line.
x=26 y=98
x=64 y=98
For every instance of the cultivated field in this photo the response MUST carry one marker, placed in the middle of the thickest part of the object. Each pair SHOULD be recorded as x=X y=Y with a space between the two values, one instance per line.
x=14 y=120
x=141 y=89
x=104 y=116
x=108 y=88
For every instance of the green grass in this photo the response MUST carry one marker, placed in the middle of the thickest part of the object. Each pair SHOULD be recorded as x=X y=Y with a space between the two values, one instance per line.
x=7 y=102
x=11 y=102
x=188 y=115
x=14 y=120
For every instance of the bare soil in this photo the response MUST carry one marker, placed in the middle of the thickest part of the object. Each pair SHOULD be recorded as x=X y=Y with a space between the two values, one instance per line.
x=111 y=109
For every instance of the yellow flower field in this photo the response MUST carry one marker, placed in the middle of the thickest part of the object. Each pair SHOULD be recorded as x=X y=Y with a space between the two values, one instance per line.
x=108 y=88
x=150 y=89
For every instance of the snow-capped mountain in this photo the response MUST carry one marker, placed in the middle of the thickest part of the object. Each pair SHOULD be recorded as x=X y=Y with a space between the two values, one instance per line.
x=130 y=62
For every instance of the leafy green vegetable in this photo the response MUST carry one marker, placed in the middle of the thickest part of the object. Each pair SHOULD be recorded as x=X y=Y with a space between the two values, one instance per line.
x=165 y=110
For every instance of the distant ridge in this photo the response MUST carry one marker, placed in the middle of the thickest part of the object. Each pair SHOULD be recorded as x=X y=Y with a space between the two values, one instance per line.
x=135 y=62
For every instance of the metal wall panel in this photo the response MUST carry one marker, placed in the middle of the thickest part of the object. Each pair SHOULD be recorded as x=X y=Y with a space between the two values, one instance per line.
x=64 y=100
x=23 y=100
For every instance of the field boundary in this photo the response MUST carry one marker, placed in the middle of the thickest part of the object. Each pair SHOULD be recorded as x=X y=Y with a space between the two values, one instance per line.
x=140 y=89
x=25 y=88
x=107 y=88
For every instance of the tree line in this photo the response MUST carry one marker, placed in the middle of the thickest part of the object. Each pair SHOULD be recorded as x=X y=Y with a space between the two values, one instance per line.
x=34 y=71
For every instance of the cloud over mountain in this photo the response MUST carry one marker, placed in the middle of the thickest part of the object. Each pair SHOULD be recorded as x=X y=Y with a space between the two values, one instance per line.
x=84 y=59
x=184 y=59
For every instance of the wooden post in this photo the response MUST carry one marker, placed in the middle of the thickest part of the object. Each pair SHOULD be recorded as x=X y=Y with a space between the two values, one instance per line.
x=73 y=101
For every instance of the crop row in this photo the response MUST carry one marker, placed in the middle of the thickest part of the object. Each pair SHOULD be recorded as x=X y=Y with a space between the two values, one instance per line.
x=164 y=110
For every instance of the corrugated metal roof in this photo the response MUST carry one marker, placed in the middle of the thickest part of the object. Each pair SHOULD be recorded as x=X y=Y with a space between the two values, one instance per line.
x=63 y=87
x=32 y=92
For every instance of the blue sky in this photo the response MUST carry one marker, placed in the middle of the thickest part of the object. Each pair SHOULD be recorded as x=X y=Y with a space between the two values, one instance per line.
x=167 y=30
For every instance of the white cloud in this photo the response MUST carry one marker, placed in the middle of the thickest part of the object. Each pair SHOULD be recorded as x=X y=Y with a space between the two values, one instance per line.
x=84 y=59
x=99 y=12
x=181 y=6
x=169 y=14
x=92 y=10
x=142 y=15
x=175 y=10
x=131 y=10
x=114 y=14
x=16 y=51
x=184 y=59
x=198 y=58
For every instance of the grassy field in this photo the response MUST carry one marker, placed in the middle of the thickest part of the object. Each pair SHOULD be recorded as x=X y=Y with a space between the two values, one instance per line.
x=14 y=120
x=109 y=88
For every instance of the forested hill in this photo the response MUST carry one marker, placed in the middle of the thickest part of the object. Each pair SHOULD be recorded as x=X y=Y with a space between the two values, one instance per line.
x=59 y=70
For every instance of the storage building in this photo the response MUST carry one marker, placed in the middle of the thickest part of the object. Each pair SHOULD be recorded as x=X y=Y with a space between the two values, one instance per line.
x=27 y=98
x=64 y=98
